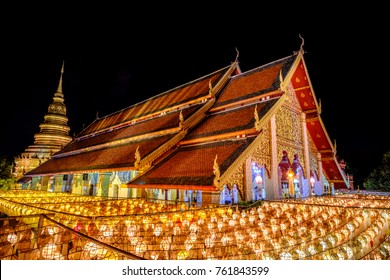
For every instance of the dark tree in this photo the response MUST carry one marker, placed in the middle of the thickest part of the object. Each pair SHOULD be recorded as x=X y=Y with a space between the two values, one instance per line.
x=379 y=178
x=6 y=177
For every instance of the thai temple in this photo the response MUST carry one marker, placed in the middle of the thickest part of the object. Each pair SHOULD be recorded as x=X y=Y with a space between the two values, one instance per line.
x=225 y=137
x=53 y=136
x=231 y=166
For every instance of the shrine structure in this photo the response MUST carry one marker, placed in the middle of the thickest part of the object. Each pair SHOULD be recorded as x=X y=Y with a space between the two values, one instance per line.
x=225 y=137
x=52 y=137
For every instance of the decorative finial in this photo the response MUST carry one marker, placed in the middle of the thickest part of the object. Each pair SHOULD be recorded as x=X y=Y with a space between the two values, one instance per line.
x=210 y=87
x=257 y=120
x=216 y=172
x=62 y=68
x=281 y=81
x=97 y=115
x=319 y=107
x=238 y=53
x=335 y=146
x=181 y=120
x=303 y=42
x=59 y=88
x=137 y=156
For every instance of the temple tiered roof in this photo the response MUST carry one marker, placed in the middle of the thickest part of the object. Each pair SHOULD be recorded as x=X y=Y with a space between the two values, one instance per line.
x=178 y=138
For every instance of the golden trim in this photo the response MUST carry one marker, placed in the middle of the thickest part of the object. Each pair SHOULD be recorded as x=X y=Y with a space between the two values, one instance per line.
x=247 y=152
x=217 y=174
x=223 y=80
x=257 y=121
x=181 y=120
x=137 y=156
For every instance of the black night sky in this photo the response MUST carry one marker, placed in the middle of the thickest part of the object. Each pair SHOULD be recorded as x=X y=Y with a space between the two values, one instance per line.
x=110 y=67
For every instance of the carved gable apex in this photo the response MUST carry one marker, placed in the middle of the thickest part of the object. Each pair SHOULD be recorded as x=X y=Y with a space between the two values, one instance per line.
x=291 y=98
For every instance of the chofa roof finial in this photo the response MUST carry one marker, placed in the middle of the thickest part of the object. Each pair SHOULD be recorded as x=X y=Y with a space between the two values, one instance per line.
x=303 y=42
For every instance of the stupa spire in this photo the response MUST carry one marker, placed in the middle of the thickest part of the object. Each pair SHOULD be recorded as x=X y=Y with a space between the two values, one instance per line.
x=59 y=88
x=53 y=135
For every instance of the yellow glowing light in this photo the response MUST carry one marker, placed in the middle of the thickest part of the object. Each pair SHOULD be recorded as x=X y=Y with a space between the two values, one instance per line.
x=182 y=255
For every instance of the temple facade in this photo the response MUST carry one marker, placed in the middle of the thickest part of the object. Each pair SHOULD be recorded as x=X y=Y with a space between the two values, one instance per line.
x=226 y=137
x=52 y=137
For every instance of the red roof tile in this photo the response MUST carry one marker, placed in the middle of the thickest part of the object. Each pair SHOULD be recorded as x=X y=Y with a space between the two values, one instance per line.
x=254 y=82
x=159 y=123
x=185 y=93
x=104 y=159
x=193 y=165
x=228 y=121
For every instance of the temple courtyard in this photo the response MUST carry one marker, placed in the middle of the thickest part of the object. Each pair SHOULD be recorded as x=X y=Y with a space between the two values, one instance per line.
x=42 y=225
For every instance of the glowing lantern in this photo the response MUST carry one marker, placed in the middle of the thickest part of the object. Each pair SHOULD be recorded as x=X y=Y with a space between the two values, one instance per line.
x=49 y=250
x=140 y=248
x=209 y=242
x=182 y=255
x=193 y=227
x=242 y=222
x=165 y=244
x=131 y=229
x=192 y=237
x=157 y=231
x=12 y=238
x=225 y=240
x=220 y=225
x=176 y=230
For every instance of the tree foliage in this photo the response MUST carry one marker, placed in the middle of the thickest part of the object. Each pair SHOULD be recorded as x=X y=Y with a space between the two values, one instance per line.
x=379 y=178
x=7 y=180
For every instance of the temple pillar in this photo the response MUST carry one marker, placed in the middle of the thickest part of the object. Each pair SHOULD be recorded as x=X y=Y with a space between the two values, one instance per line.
x=45 y=183
x=273 y=188
x=77 y=184
x=248 y=180
x=105 y=184
x=35 y=182
x=319 y=187
x=305 y=142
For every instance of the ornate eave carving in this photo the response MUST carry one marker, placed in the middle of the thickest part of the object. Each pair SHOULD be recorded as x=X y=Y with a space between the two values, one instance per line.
x=257 y=121
x=181 y=120
x=217 y=173
x=230 y=175
x=137 y=156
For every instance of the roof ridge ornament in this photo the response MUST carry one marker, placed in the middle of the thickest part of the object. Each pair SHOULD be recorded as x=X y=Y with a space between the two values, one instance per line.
x=181 y=120
x=216 y=172
x=281 y=81
x=238 y=54
x=137 y=156
x=301 y=50
x=211 y=92
x=257 y=119
x=319 y=106
x=303 y=42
